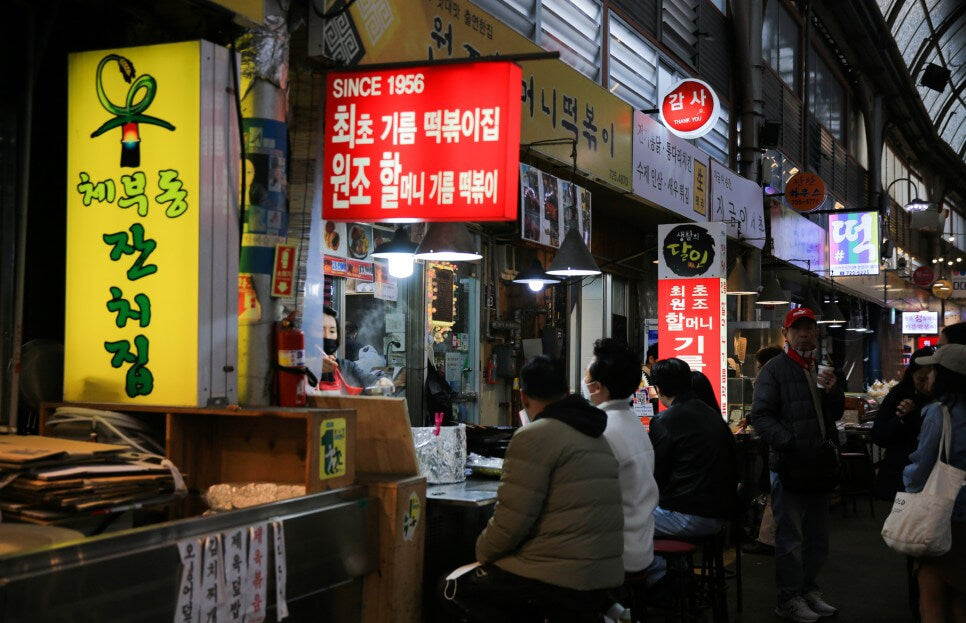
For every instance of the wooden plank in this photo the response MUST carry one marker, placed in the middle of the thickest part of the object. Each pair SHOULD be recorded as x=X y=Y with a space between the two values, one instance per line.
x=384 y=439
x=393 y=592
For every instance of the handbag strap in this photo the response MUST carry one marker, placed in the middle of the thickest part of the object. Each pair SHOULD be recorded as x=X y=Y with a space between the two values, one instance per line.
x=816 y=401
x=947 y=435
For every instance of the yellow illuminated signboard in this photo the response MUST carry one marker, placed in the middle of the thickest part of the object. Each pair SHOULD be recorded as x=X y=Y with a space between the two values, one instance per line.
x=133 y=210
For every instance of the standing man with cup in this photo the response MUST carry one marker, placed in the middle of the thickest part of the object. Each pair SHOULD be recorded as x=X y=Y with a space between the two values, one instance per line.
x=794 y=409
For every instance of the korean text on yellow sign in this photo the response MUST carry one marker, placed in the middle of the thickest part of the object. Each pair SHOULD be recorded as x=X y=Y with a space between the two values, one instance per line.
x=131 y=330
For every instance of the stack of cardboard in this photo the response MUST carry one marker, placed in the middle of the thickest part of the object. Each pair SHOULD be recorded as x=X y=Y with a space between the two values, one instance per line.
x=47 y=480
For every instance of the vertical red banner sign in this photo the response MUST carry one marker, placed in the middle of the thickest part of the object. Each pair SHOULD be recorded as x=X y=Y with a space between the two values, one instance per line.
x=692 y=327
x=692 y=301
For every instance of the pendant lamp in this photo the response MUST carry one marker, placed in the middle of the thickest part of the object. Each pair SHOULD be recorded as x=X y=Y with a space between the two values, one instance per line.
x=739 y=281
x=535 y=278
x=399 y=252
x=831 y=314
x=573 y=258
x=772 y=294
x=448 y=242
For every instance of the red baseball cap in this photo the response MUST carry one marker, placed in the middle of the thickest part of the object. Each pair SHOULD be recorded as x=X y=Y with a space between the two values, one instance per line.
x=797 y=314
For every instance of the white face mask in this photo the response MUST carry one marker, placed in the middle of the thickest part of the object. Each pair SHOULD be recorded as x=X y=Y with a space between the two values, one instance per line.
x=586 y=393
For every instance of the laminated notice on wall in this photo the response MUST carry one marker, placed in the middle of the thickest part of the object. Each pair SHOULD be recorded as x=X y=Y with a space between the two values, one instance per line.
x=281 y=606
x=236 y=571
x=189 y=588
x=257 y=577
x=213 y=579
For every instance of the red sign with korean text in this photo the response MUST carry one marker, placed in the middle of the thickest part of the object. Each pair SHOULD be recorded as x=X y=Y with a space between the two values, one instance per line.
x=692 y=327
x=923 y=276
x=432 y=143
x=927 y=341
x=690 y=109
x=284 y=270
x=805 y=191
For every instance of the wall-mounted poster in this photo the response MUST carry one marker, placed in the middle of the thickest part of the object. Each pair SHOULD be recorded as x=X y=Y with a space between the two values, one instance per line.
x=550 y=206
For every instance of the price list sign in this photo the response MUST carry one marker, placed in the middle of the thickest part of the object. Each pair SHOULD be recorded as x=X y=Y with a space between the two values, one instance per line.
x=433 y=143
x=691 y=300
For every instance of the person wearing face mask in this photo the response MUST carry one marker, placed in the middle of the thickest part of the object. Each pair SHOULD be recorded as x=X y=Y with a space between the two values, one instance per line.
x=794 y=410
x=897 y=424
x=609 y=382
x=351 y=373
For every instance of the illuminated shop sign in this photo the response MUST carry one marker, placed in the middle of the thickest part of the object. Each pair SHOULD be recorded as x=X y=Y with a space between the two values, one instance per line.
x=853 y=244
x=141 y=289
x=433 y=143
x=690 y=108
x=926 y=322
x=691 y=300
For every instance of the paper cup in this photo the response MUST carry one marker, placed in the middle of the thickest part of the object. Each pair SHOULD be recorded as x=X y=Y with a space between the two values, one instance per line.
x=822 y=369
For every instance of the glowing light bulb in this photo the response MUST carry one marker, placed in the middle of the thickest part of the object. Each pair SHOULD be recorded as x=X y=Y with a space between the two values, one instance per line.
x=400 y=265
x=535 y=286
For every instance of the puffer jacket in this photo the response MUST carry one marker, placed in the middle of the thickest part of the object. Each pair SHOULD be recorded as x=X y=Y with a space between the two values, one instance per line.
x=558 y=516
x=783 y=412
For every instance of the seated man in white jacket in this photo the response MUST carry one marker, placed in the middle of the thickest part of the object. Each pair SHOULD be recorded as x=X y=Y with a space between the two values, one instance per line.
x=610 y=381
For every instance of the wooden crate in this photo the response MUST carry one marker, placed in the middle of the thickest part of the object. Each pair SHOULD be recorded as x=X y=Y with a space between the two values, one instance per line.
x=218 y=445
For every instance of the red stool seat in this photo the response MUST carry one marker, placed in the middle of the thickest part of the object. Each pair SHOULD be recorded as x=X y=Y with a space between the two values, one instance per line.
x=673 y=547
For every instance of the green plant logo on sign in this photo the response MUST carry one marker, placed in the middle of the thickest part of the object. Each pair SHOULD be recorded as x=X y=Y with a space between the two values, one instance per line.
x=131 y=113
x=332 y=458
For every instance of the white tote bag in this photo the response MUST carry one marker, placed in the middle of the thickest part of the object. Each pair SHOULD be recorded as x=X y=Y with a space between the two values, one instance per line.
x=919 y=524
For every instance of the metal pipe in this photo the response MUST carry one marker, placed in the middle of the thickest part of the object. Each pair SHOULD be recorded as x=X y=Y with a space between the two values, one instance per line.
x=748 y=25
x=30 y=75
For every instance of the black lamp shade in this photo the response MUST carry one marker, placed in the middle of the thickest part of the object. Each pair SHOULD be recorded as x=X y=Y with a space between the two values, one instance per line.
x=448 y=242
x=573 y=258
x=535 y=277
x=739 y=282
x=399 y=245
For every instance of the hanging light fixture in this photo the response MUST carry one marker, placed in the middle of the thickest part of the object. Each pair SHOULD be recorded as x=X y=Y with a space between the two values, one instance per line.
x=448 y=242
x=399 y=251
x=573 y=258
x=831 y=314
x=739 y=281
x=535 y=278
x=856 y=322
x=772 y=294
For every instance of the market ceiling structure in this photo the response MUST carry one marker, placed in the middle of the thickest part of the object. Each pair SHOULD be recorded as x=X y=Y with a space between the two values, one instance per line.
x=931 y=38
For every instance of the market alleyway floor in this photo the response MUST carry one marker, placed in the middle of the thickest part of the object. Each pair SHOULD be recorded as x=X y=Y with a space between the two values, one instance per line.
x=863 y=578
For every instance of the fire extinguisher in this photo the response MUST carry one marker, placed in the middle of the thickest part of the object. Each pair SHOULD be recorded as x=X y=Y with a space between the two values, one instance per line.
x=290 y=370
x=491 y=370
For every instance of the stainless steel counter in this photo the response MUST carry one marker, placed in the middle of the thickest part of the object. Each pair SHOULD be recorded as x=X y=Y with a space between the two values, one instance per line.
x=471 y=492
x=330 y=539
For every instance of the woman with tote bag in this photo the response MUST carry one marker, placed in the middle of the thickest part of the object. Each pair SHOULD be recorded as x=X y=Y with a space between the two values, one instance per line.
x=942 y=580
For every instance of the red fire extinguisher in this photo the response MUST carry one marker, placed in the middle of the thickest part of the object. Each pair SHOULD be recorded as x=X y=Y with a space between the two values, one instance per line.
x=290 y=370
x=490 y=375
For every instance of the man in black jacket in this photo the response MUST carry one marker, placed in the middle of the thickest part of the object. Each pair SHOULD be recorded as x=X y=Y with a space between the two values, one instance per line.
x=794 y=410
x=695 y=463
